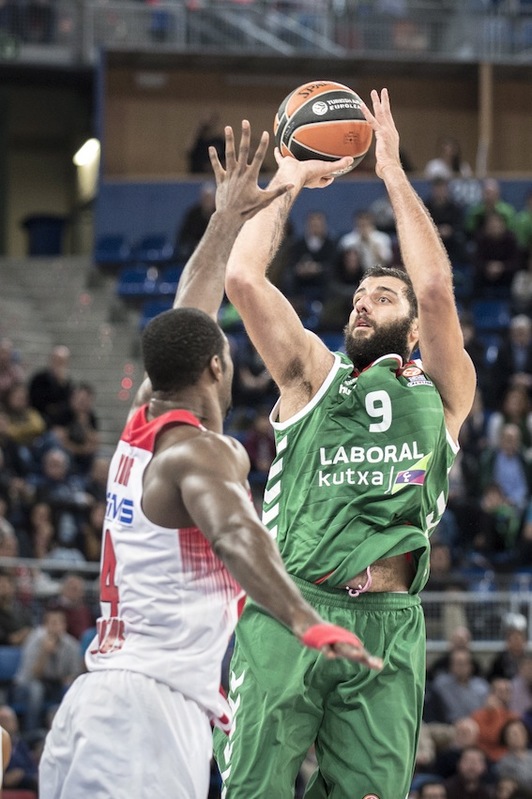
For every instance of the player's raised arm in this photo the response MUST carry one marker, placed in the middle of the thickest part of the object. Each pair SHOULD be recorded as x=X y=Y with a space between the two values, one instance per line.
x=211 y=484
x=238 y=198
x=426 y=261
x=270 y=319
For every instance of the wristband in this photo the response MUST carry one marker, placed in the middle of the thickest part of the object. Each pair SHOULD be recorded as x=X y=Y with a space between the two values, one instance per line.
x=320 y=635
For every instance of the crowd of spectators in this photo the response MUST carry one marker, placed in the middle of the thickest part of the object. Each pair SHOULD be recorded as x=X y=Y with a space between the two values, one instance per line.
x=52 y=504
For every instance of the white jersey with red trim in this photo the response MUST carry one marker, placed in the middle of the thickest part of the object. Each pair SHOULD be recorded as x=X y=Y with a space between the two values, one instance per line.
x=168 y=603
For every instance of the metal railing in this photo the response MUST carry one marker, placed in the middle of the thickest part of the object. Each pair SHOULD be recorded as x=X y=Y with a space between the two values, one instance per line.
x=72 y=33
x=482 y=609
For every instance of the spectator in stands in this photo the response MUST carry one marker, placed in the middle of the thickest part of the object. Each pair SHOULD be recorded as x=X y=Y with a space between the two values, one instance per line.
x=448 y=217
x=374 y=246
x=22 y=770
x=516 y=408
x=77 y=429
x=492 y=718
x=449 y=163
x=521 y=288
x=50 y=388
x=490 y=201
x=471 y=778
x=495 y=531
x=252 y=382
x=51 y=660
x=513 y=364
x=64 y=493
x=517 y=763
x=11 y=370
x=505 y=466
x=25 y=424
x=506 y=662
x=460 y=638
x=458 y=691
x=195 y=221
x=346 y=273
x=496 y=257
x=521 y=700
x=92 y=532
x=311 y=257
x=96 y=482
x=208 y=133
x=16 y=620
x=460 y=736
x=72 y=600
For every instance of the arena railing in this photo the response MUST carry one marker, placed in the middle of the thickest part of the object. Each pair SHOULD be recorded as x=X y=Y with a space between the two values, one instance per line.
x=73 y=34
x=481 y=608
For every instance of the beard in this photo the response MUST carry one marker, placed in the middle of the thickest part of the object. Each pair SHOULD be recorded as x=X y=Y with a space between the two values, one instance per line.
x=393 y=337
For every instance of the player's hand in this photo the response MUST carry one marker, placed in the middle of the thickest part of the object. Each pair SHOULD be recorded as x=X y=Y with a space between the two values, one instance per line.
x=311 y=174
x=337 y=642
x=237 y=186
x=386 y=135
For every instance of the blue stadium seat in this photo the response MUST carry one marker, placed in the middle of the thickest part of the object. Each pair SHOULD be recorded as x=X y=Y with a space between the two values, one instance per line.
x=153 y=249
x=138 y=282
x=112 y=250
x=491 y=315
x=169 y=279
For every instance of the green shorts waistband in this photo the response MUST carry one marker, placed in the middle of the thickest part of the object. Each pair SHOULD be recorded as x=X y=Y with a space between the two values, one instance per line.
x=334 y=597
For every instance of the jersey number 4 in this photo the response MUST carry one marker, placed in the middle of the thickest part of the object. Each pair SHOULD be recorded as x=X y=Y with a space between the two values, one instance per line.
x=108 y=587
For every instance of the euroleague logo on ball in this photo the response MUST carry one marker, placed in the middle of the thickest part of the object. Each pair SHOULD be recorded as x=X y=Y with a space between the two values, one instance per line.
x=320 y=108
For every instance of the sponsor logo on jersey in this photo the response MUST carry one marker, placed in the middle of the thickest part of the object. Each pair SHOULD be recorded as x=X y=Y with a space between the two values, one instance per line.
x=390 y=453
x=119 y=509
x=415 y=376
x=413 y=476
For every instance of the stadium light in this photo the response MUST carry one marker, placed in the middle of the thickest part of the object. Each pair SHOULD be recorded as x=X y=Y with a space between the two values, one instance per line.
x=88 y=153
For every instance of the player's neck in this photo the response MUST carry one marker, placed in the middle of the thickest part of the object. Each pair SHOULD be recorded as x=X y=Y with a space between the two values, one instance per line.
x=206 y=412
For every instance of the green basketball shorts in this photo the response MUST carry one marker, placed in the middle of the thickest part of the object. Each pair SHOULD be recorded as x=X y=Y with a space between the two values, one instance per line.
x=286 y=698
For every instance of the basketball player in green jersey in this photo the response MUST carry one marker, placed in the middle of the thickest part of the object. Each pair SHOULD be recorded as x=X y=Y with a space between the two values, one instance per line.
x=364 y=445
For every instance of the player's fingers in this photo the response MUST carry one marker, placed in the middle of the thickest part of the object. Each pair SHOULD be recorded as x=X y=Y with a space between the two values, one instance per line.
x=230 y=158
x=243 y=150
x=260 y=152
x=217 y=168
x=277 y=155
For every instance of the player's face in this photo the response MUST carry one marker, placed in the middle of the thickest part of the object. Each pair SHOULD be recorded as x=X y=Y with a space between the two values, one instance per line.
x=380 y=322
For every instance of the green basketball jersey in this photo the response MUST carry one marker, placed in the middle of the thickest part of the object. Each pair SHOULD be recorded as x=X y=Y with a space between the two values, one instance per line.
x=360 y=473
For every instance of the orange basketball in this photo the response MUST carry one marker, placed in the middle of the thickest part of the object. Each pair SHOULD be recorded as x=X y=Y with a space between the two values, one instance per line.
x=322 y=120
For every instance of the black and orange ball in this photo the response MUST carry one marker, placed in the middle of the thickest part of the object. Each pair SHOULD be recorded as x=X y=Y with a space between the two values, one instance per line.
x=322 y=120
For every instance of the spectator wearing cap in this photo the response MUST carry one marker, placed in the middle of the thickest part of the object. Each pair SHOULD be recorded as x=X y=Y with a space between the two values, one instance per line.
x=506 y=663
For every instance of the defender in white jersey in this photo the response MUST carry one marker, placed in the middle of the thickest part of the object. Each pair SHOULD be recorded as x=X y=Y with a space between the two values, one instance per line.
x=180 y=538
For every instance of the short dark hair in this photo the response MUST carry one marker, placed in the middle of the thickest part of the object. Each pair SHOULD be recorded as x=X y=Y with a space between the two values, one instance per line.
x=400 y=274
x=177 y=345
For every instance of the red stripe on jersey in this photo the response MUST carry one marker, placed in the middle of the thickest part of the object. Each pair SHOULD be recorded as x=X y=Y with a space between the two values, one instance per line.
x=141 y=432
x=198 y=558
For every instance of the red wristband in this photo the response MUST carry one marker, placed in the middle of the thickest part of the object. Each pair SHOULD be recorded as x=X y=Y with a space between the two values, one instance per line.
x=320 y=635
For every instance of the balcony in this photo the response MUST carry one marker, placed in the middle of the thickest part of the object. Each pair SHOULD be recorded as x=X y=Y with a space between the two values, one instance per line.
x=451 y=31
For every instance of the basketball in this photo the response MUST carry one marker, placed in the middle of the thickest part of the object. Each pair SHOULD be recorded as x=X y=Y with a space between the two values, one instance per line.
x=322 y=120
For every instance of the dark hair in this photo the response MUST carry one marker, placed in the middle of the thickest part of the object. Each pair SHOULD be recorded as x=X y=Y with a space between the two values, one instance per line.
x=177 y=345
x=400 y=274
x=503 y=737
